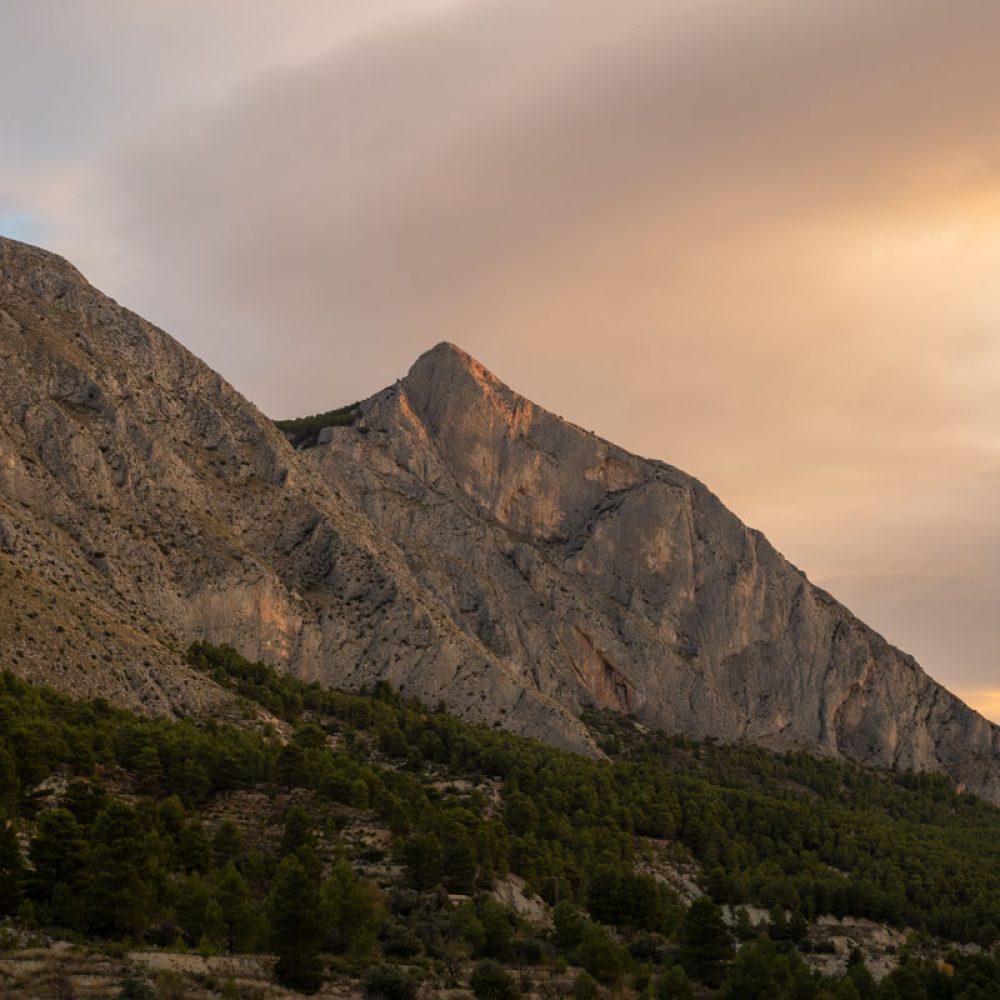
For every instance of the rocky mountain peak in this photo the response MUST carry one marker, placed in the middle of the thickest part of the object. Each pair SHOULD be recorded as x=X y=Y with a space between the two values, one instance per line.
x=442 y=357
x=448 y=380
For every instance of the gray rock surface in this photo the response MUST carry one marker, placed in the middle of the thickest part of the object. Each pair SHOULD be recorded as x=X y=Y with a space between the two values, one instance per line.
x=608 y=579
x=144 y=504
x=458 y=541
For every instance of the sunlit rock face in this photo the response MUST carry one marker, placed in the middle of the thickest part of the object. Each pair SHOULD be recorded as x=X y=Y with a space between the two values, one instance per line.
x=605 y=579
x=457 y=540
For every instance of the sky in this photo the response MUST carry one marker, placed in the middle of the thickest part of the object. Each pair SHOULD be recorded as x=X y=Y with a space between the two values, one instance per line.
x=758 y=241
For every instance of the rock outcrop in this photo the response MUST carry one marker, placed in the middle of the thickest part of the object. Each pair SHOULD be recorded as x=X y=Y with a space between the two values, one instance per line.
x=456 y=540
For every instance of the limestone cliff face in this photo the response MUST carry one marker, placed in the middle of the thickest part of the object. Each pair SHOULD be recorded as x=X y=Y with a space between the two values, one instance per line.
x=458 y=541
x=607 y=579
x=144 y=504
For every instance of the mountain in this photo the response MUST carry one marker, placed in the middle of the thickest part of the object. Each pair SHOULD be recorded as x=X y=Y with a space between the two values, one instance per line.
x=453 y=539
x=621 y=582
x=144 y=504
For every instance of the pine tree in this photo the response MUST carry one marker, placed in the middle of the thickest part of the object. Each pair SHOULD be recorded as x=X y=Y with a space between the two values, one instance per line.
x=293 y=766
x=118 y=896
x=423 y=860
x=149 y=770
x=296 y=927
x=58 y=855
x=605 y=899
x=11 y=868
x=233 y=896
x=85 y=800
x=498 y=926
x=190 y=781
x=192 y=900
x=298 y=830
x=10 y=785
x=227 y=845
x=601 y=956
x=757 y=974
x=859 y=975
x=846 y=990
x=745 y=929
x=194 y=851
x=215 y=927
x=353 y=911
x=358 y=795
x=568 y=926
x=674 y=985
x=458 y=859
x=705 y=942
x=491 y=981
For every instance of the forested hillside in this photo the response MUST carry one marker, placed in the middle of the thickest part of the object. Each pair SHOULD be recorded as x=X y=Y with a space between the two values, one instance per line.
x=361 y=836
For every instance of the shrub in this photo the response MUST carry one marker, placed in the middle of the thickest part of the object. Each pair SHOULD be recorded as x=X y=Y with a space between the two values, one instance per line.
x=136 y=989
x=490 y=981
x=387 y=982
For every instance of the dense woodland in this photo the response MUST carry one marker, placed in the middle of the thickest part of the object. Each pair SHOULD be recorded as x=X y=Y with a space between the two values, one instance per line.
x=105 y=836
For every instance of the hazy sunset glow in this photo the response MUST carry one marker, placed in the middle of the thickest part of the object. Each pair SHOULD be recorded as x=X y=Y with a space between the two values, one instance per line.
x=758 y=241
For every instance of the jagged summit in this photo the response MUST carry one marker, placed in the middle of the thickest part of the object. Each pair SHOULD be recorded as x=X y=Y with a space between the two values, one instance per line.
x=446 y=367
x=443 y=353
x=445 y=364
x=455 y=539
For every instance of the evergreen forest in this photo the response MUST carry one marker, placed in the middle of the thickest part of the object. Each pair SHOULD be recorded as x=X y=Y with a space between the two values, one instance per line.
x=366 y=838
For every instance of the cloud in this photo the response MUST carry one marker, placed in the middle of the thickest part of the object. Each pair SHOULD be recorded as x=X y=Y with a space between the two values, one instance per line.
x=481 y=175
x=756 y=240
